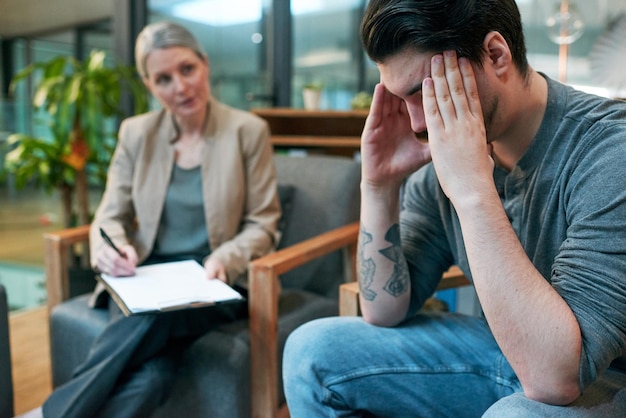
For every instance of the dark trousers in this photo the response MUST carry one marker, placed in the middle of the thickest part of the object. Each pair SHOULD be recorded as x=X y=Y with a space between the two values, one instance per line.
x=130 y=367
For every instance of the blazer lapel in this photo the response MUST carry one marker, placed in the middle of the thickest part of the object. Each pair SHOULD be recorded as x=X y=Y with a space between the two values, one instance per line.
x=158 y=171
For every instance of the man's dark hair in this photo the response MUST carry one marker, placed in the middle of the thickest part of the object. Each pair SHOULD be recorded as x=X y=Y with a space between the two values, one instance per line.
x=390 y=26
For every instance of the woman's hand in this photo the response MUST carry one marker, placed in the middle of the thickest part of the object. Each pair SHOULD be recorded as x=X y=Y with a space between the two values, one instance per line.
x=390 y=150
x=110 y=262
x=215 y=269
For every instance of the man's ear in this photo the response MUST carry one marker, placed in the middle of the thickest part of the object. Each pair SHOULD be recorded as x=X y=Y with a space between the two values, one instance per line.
x=498 y=55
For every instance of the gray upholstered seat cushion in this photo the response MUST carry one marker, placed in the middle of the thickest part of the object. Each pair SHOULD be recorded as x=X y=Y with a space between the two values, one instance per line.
x=73 y=328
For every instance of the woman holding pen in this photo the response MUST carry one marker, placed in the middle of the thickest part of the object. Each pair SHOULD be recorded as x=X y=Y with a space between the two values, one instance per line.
x=194 y=180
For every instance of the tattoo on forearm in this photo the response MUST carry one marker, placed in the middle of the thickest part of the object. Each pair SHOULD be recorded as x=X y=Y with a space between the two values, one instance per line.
x=367 y=266
x=399 y=280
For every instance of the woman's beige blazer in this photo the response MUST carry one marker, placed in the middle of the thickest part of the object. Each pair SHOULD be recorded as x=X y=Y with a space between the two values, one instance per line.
x=238 y=181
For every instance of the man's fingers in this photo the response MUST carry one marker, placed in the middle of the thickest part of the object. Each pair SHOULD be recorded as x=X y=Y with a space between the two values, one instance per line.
x=455 y=88
x=455 y=83
x=442 y=92
x=471 y=89
x=431 y=107
x=392 y=103
x=377 y=108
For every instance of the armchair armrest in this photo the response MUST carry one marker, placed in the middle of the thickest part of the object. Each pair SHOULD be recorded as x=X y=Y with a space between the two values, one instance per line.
x=264 y=289
x=349 y=292
x=57 y=246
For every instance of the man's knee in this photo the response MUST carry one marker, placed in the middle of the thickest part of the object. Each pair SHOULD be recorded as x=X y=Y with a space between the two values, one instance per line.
x=314 y=344
x=302 y=346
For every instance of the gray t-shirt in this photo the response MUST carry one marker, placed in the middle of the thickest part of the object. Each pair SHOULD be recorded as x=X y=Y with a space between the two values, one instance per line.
x=566 y=200
x=182 y=229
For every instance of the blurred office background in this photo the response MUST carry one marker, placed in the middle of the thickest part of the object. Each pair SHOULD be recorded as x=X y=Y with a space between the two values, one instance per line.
x=262 y=52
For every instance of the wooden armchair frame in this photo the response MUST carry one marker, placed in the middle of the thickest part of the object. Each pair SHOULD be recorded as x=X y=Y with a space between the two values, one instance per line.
x=264 y=291
x=57 y=250
x=264 y=287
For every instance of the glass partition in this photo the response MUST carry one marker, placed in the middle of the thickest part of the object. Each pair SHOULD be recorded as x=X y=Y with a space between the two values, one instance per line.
x=563 y=40
x=232 y=32
x=327 y=50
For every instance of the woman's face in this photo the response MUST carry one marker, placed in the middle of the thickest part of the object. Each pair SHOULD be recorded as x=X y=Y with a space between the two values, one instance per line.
x=179 y=79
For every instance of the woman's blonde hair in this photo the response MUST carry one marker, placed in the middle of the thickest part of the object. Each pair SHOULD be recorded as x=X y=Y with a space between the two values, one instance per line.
x=161 y=35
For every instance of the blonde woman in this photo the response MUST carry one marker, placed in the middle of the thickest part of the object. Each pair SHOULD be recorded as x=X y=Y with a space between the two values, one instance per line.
x=194 y=180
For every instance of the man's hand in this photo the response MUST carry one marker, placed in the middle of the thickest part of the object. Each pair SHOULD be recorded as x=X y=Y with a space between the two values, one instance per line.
x=456 y=130
x=390 y=150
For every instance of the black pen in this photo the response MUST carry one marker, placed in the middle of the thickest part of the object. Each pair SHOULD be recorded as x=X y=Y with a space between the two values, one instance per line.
x=108 y=240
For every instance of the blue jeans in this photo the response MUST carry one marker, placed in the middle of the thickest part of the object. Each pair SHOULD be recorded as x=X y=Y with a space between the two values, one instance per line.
x=435 y=365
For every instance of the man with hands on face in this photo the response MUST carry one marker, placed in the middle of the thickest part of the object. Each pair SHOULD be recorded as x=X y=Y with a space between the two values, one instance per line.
x=521 y=185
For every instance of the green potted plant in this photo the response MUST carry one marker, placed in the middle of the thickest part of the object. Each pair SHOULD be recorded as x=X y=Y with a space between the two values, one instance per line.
x=79 y=97
x=361 y=101
x=311 y=95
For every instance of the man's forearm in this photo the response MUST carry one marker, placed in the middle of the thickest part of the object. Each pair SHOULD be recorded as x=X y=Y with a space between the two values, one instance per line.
x=533 y=325
x=382 y=269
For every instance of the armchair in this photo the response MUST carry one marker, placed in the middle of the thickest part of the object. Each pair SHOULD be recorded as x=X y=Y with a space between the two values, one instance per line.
x=235 y=371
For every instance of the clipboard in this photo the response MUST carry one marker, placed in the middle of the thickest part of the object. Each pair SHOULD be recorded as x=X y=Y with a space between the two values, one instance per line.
x=167 y=287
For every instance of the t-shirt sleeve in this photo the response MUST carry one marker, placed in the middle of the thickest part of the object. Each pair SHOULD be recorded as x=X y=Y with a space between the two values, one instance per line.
x=425 y=234
x=590 y=269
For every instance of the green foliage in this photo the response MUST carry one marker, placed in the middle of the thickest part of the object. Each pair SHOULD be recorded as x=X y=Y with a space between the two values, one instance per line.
x=362 y=100
x=79 y=97
x=313 y=86
x=37 y=160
